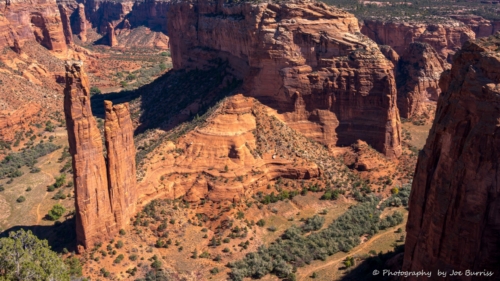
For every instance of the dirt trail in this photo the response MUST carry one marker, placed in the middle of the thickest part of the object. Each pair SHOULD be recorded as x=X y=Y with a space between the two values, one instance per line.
x=51 y=179
x=304 y=275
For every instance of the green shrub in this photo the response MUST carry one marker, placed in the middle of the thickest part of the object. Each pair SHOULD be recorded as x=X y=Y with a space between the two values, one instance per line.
x=56 y=212
x=95 y=91
x=20 y=199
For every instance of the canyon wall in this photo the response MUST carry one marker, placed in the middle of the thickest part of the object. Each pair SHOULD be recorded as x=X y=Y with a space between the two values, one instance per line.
x=305 y=59
x=104 y=193
x=419 y=70
x=481 y=26
x=446 y=38
x=132 y=23
x=454 y=219
x=37 y=20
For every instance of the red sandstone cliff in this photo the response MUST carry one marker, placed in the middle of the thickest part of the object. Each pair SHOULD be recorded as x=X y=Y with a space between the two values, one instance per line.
x=454 y=219
x=446 y=39
x=121 y=160
x=419 y=70
x=135 y=23
x=103 y=203
x=306 y=60
x=39 y=20
x=481 y=26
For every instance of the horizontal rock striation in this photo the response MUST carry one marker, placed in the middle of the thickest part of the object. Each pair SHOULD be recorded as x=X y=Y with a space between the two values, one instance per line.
x=305 y=59
x=446 y=39
x=454 y=219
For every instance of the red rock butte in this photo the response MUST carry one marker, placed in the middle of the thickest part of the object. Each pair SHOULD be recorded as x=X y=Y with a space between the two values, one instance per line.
x=306 y=60
x=454 y=219
x=104 y=190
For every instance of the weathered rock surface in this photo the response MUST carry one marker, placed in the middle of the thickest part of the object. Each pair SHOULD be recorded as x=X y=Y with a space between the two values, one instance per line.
x=135 y=23
x=111 y=36
x=446 y=39
x=94 y=216
x=419 y=70
x=80 y=23
x=481 y=26
x=39 y=20
x=454 y=219
x=306 y=60
x=120 y=161
x=102 y=204
x=229 y=157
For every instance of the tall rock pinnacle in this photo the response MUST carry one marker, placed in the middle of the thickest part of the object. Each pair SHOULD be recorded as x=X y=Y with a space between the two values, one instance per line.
x=454 y=220
x=104 y=197
x=121 y=160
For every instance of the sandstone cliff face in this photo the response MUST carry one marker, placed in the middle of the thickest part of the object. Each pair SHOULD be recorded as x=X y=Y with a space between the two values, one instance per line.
x=102 y=204
x=419 y=70
x=306 y=60
x=481 y=26
x=454 y=219
x=121 y=160
x=446 y=39
x=135 y=23
x=38 y=20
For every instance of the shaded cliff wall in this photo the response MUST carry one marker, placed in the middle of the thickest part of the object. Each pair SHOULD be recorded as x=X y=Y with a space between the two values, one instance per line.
x=454 y=219
x=419 y=71
x=306 y=60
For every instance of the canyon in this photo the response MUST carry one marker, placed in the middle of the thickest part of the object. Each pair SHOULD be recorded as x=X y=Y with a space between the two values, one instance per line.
x=453 y=221
x=273 y=114
x=307 y=61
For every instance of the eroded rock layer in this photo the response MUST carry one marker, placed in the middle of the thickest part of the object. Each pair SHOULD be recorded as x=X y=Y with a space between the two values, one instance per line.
x=306 y=60
x=419 y=70
x=121 y=161
x=39 y=20
x=94 y=217
x=454 y=219
x=446 y=39
x=105 y=193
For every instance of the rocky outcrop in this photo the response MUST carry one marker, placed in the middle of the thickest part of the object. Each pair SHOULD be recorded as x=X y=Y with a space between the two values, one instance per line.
x=419 y=70
x=481 y=26
x=454 y=219
x=80 y=24
x=13 y=122
x=304 y=59
x=38 y=20
x=102 y=205
x=111 y=36
x=135 y=23
x=66 y=24
x=120 y=148
x=446 y=39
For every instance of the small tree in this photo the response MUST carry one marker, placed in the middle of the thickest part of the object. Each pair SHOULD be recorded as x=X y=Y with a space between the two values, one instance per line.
x=95 y=91
x=56 y=212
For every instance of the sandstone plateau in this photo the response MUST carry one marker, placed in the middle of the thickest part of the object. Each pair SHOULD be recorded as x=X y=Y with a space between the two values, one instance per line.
x=304 y=59
x=104 y=190
x=454 y=219
x=419 y=70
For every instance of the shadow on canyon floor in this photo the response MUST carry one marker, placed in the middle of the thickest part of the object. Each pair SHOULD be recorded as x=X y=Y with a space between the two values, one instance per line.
x=59 y=235
x=175 y=97
x=365 y=270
